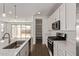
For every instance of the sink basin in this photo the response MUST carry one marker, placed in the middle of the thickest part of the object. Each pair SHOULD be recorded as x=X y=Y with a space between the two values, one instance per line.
x=14 y=45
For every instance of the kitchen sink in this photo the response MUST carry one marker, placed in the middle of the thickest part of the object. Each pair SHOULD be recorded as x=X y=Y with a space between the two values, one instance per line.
x=14 y=45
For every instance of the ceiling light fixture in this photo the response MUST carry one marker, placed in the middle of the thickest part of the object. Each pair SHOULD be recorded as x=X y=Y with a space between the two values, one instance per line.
x=10 y=12
x=15 y=11
x=4 y=14
x=38 y=12
x=15 y=16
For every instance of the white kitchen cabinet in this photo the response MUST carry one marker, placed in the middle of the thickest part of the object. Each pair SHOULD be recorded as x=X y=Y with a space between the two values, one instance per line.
x=66 y=13
x=70 y=16
x=24 y=51
x=59 y=49
x=62 y=17
x=61 y=52
x=68 y=53
x=53 y=18
x=18 y=54
x=50 y=23
x=67 y=16
x=56 y=15
x=55 y=48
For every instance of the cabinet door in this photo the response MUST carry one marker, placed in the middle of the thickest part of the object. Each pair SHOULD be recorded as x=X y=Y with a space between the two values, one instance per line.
x=56 y=15
x=25 y=50
x=22 y=52
x=68 y=53
x=62 y=17
x=70 y=16
x=50 y=21
x=61 y=52
x=55 y=49
x=18 y=54
x=61 y=48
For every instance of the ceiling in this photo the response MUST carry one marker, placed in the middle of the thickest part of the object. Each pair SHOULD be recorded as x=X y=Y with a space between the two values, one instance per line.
x=25 y=11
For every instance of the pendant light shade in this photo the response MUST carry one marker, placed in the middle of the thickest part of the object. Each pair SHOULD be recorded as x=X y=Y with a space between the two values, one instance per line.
x=15 y=11
x=4 y=14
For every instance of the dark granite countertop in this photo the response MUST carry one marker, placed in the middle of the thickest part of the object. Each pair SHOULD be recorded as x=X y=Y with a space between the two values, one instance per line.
x=55 y=38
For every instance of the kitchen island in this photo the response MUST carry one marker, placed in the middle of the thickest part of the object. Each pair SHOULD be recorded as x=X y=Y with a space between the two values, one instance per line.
x=23 y=50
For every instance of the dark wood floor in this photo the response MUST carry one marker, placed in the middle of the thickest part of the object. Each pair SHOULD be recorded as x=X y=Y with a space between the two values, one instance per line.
x=39 y=50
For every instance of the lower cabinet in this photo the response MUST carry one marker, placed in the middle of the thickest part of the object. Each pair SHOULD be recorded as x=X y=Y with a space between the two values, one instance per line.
x=62 y=50
x=24 y=51
x=58 y=49
x=68 y=54
x=55 y=49
x=18 y=54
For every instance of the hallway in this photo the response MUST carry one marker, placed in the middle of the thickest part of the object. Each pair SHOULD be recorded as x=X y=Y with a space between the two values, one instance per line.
x=39 y=50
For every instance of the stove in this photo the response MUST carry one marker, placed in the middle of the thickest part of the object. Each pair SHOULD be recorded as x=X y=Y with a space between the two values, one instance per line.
x=58 y=37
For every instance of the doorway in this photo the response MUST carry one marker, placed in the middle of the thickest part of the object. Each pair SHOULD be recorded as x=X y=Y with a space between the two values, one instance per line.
x=38 y=31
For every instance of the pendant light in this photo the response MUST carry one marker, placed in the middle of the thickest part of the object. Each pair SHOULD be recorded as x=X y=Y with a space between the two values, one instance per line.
x=15 y=11
x=4 y=14
x=15 y=16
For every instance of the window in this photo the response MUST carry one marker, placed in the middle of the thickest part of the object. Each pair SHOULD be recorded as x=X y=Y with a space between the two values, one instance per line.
x=21 y=31
x=2 y=27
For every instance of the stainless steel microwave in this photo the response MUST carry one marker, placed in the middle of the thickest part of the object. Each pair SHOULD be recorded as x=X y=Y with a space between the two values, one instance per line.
x=56 y=25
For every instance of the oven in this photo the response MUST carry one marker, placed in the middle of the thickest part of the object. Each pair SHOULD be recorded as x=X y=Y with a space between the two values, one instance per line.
x=58 y=37
x=50 y=45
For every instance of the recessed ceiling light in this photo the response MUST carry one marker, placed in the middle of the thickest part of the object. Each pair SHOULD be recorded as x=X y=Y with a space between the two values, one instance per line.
x=2 y=41
x=38 y=13
x=2 y=24
x=4 y=15
x=10 y=12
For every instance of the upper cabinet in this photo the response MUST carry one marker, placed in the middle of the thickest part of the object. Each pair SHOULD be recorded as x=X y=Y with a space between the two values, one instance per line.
x=70 y=16
x=62 y=17
x=53 y=18
x=56 y=15
x=66 y=13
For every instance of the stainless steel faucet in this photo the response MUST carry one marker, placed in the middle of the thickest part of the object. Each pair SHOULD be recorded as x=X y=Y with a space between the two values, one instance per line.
x=7 y=37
